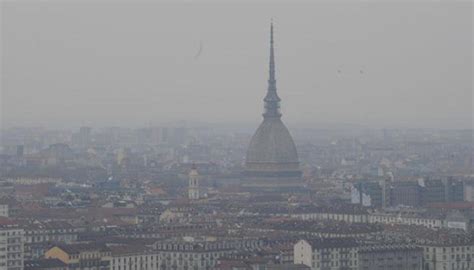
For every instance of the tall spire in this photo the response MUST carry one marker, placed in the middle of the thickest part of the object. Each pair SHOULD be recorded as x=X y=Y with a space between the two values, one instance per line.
x=272 y=57
x=271 y=100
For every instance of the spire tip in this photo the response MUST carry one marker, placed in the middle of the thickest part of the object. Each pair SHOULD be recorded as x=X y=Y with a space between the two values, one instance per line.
x=271 y=30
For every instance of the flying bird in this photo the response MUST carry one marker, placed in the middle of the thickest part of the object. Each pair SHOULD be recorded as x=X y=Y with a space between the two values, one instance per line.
x=199 y=51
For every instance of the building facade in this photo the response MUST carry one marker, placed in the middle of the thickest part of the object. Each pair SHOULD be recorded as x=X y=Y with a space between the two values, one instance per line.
x=81 y=256
x=448 y=256
x=4 y=210
x=200 y=254
x=39 y=235
x=393 y=257
x=134 y=258
x=11 y=247
x=347 y=253
x=327 y=254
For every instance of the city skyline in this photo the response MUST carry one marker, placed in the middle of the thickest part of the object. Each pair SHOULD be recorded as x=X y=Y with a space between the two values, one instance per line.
x=126 y=135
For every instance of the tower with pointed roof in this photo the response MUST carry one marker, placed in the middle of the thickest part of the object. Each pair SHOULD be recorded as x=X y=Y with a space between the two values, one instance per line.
x=272 y=159
x=193 y=186
x=271 y=100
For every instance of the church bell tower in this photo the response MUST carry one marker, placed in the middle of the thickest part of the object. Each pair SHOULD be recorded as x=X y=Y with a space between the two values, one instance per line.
x=193 y=185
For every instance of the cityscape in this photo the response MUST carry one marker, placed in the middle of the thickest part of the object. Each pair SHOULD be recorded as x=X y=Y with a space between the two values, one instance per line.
x=203 y=195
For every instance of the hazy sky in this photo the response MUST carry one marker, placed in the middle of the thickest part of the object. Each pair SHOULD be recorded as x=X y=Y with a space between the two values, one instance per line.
x=390 y=64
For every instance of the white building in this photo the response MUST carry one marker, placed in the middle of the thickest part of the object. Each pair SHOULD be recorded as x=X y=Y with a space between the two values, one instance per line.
x=326 y=215
x=11 y=247
x=451 y=220
x=406 y=219
x=3 y=210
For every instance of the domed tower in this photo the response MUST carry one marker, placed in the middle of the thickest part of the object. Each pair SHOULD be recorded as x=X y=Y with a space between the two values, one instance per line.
x=272 y=159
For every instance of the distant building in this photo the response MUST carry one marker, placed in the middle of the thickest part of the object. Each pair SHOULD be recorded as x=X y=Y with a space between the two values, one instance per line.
x=447 y=256
x=287 y=267
x=4 y=210
x=454 y=190
x=176 y=215
x=346 y=253
x=442 y=190
x=272 y=159
x=456 y=220
x=406 y=193
x=327 y=253
x=57 y=154
x=394 y=257
x=83 y=137
x=469 y=191
x=11 y=246
x=193 y=187
x=81 y=256
x=426 y=192
x=39 y=235
x=370 y=193
x=133 y=257
x=198 y=254
x=341 y=213
x=20 y=150
x=433 y=191
x=45 y=264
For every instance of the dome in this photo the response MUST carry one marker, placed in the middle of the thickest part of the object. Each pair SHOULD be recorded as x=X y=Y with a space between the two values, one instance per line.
x=272 y=144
